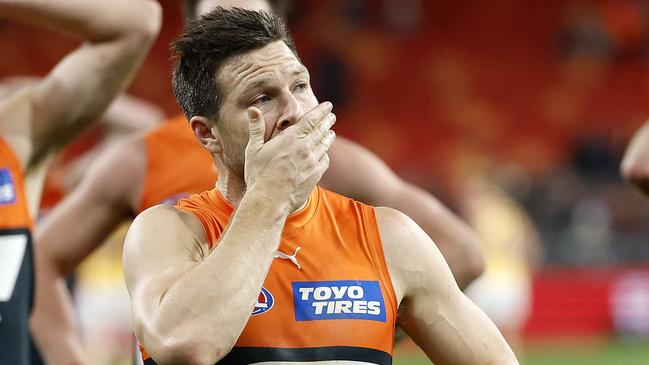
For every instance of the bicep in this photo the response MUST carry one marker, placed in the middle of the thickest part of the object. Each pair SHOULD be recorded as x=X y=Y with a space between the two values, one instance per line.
x=434 y=312
x=161 y=246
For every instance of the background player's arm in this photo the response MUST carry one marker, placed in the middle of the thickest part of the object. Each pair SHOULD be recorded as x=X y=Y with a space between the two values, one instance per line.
x=357 y=173
x=635 y=165
x=69 y=233
x=128 y=114
x=434 y=312
x=117 y=34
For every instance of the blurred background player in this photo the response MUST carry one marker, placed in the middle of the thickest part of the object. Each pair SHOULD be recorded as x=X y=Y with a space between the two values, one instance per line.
x=37 y=120
x=509 y=241
x=167 y=164
x=125 y=115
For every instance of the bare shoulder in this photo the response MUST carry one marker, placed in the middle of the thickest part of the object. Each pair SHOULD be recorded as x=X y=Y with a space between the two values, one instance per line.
x=413 y=259
x=164 y=222
x=162 y=237
x=397 y=228
x=403 y=240
x=399 y=239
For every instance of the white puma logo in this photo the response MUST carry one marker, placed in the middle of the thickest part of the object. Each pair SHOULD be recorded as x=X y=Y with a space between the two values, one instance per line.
x=293 y=257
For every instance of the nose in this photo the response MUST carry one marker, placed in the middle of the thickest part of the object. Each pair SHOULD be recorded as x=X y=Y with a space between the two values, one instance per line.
x=291 y=112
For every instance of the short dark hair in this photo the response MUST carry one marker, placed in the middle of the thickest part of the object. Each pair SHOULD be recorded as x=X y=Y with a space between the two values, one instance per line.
x=208 y=43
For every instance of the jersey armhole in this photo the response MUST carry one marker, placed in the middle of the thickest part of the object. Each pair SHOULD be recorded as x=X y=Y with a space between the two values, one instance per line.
x=210 y=230
x=376 y=247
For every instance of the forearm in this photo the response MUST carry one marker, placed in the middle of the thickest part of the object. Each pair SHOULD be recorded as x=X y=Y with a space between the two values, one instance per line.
x=454 y=238
x=457 y=333
x=228 y=282
x=635 y=165
x=95 y=21
x=52 y=321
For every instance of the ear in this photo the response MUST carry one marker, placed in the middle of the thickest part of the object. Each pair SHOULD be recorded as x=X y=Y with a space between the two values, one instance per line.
x=206 y=133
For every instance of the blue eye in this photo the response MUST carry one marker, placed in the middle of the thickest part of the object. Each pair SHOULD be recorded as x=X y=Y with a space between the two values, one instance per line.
x=301 y=86
x=262 y=99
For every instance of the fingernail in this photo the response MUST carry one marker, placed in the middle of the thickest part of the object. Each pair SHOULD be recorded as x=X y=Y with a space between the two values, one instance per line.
x=252 y=114
x=329 y=105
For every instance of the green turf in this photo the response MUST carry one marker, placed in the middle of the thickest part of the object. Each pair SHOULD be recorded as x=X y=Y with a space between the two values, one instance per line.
x=566 y=353
x=611 y=353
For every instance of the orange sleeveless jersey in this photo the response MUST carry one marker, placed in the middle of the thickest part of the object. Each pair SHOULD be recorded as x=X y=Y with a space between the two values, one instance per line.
x=327 y=297
x=177 y=165
x=16 y=271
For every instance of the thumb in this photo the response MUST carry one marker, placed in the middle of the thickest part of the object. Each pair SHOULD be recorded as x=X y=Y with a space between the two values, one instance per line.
x=257 y=128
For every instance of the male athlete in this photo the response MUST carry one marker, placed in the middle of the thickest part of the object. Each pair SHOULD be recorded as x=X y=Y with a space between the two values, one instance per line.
x=202 y=275
x=38 y=120
x=635 y=165
x=168 y=163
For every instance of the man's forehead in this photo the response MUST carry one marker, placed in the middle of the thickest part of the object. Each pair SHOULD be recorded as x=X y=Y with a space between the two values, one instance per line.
x=274 y=57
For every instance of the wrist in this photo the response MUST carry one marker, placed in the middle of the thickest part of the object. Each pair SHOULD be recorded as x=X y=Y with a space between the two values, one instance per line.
x=266 y=201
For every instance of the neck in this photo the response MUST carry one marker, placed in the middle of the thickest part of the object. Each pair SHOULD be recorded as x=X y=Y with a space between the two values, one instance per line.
x=231 y=187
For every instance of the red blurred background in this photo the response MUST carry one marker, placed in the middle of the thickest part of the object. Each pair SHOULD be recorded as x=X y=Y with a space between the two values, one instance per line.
x=553 y=89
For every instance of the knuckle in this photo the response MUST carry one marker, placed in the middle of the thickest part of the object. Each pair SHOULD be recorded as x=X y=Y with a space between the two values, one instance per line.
x=303 y=150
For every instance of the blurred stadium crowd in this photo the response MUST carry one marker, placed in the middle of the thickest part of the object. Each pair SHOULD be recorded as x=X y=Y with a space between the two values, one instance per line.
x=537 y=98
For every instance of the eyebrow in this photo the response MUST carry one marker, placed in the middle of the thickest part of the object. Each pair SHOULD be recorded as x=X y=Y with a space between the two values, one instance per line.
x=297 y=71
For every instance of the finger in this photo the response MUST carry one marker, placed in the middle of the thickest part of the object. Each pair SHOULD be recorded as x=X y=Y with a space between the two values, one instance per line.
x=257 y=129
x=310 y=120
x=324 y=162
x=322 y=129
x=322 y=148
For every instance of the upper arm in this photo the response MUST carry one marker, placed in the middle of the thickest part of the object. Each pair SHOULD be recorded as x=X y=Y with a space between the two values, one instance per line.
x=94 y=208
x=128 y=113
x=434 y=312
x=348 y=162
x=162 y=244
x=359 y=174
